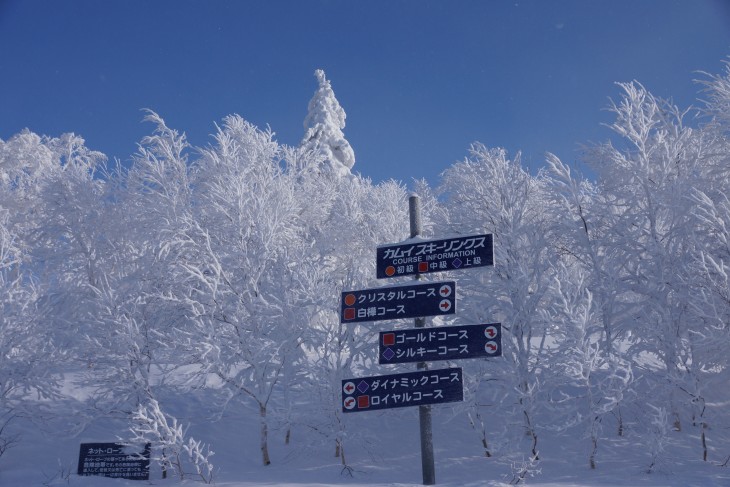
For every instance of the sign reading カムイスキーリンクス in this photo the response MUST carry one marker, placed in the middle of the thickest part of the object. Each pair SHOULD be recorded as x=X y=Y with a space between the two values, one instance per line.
x=424 y=256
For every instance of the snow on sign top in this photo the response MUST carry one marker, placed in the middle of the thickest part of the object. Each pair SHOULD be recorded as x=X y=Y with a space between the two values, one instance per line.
x=424 y=256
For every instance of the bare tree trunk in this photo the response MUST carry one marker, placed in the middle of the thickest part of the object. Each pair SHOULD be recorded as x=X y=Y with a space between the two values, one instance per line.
x=340 y=452
x=482 y=432
x=164 y=464
x=594 y=442
x=532 y=434
x=264 y=435
x=620 y=423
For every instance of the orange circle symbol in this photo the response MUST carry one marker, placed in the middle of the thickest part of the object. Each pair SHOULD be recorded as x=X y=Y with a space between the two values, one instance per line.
x=350 y=299
x=390 y=270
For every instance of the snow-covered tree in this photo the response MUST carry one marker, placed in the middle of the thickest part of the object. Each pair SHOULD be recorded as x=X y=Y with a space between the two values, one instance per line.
x=132 y=324
x=172 y=448
x=28 y=353
x=589 y=382
x=504 y=199
x=362 y=216
x=647 y=184
x=323 y=129
x=233 y=272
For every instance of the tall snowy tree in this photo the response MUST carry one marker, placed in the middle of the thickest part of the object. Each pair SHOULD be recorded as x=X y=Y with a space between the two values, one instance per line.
x=323 y=129
x=237 y=265
x=645 y=180
x=504 y=199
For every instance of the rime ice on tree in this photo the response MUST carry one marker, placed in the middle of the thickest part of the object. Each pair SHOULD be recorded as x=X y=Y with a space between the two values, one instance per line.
x=323 y=129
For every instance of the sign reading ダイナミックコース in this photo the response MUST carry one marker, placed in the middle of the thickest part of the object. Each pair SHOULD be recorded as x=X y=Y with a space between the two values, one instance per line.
x=402 y=390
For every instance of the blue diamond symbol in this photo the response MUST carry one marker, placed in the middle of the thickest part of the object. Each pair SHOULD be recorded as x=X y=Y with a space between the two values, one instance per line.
x=456 y=263
x=388 y=354
x=363 y=386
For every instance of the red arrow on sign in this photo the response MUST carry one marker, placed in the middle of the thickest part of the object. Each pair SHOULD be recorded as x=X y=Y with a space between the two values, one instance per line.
x=445 y=305
x=490 y=331
x=349 y=388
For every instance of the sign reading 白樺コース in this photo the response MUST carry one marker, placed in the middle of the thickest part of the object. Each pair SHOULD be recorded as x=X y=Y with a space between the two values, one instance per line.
x=421 y=257
x=396 y=302
x=402 y=390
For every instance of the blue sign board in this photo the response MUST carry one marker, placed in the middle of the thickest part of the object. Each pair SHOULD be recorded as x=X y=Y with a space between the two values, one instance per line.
x=402 y=390
x=393 y=303
x=424 y=256
x=441 y=343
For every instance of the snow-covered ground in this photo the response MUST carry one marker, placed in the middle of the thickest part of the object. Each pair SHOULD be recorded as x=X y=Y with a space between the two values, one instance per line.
x=384 y=451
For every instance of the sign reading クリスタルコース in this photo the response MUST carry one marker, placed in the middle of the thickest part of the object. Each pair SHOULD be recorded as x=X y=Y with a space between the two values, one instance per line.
x=396 y=302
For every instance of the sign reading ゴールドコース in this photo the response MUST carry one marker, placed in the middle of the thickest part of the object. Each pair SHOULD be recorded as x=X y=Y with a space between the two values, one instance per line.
x=440 y=343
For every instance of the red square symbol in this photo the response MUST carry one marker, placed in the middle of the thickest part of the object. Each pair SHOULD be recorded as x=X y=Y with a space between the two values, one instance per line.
x=363 y=402
x=423 y=267
x=349 y=313
x=388 y=339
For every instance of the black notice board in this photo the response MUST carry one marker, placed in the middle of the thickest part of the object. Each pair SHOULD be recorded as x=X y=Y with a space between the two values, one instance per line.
x=114 y=460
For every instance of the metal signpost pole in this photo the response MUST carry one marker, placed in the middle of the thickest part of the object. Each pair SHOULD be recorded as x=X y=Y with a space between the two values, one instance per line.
x=424 y=412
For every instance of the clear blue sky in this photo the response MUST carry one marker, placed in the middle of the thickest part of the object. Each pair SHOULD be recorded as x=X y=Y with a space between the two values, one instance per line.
x=420 y=80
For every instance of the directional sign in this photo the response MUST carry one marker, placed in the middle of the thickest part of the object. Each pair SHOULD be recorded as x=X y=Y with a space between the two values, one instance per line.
x=392 y=303
x=423 y=256
x=402 y=390
x=442 y=343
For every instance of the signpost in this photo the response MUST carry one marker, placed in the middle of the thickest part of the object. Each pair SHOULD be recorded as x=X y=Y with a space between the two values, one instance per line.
x=392 y=303
x=424 y=256
x=402 y=390
x=424 y=387
x=442 y=343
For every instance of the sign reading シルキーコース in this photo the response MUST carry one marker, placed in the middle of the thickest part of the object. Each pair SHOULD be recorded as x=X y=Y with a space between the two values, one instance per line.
x=424 y=256
x=440 y=343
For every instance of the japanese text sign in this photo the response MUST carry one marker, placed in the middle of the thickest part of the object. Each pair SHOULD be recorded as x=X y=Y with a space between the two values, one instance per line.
x=421 y=257
x=393 y=303
x=402 y=390
x=441 y=343
x=114 y=460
